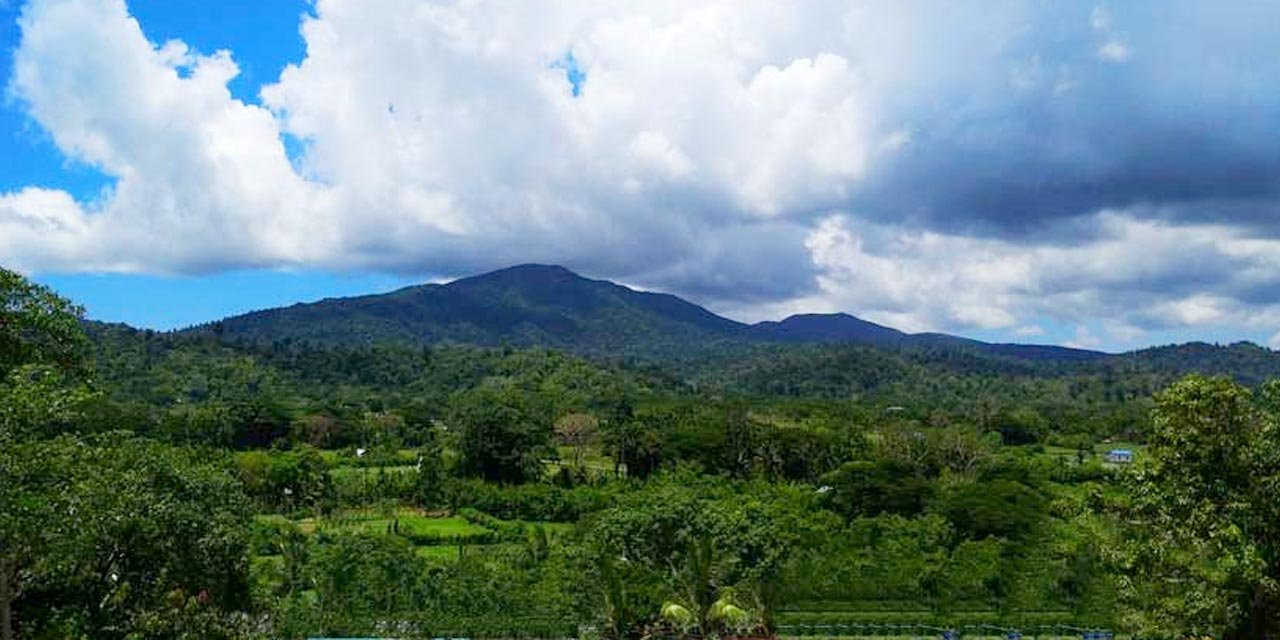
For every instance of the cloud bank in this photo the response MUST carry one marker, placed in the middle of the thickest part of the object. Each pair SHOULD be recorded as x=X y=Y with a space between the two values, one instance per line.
x=933 y=166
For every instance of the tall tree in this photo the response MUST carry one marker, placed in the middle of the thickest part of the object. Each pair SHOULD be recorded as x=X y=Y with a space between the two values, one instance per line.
x=576 y=430
x=696 y=540
x=1205 y=549
x=98 y=535
x=41 y=345
x=42 y=356
x=37 y=326
x=504 y=433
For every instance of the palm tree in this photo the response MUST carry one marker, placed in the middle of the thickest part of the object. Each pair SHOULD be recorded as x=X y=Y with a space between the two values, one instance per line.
x=618 y=617
x=697 y=578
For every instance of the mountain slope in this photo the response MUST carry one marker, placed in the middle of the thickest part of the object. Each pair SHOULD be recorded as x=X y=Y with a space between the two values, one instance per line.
x=523 y=305
x=550 y=306
x=844 y=328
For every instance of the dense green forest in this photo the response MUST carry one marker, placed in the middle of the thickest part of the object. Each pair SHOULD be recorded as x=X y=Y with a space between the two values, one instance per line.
x=216 y=484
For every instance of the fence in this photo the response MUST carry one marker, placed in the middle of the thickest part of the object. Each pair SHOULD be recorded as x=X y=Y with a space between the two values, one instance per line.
x=923 y=631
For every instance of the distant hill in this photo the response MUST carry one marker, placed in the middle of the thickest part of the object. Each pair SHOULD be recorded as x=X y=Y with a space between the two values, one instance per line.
x=550 y=306
x=1246 y=362
x=844 y=328
x=827 y=327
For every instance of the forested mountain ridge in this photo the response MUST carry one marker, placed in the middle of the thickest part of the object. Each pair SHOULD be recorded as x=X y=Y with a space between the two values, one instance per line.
x=527 y=305
x=679 y=343
x=845 y=328
x=826 y=327
x=550 y=306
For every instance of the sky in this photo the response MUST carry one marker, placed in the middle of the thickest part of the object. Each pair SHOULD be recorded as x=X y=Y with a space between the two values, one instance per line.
x=1102 y=175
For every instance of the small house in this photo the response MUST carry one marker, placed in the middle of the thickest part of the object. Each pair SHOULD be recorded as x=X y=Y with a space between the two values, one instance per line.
x=1120 y=456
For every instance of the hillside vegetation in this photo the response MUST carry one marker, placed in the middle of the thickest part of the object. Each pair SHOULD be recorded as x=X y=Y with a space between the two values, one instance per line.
x=305 y=472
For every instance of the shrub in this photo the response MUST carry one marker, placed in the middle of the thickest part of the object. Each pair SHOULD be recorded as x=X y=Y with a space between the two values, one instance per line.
x=531 y=501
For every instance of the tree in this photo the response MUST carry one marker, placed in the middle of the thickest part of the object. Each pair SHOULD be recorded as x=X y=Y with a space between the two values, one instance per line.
x=284 y=480
x=503 y=433
x=99 y=535
x=430 y=469
x=741 y=434
x=1001 y=508
x=862 y=488
x=1204 y=551
x=42 y=348
x=576 y=430
x=669 y=537
x=317 y=429
x=37 y=326
x=42 y=365
x=41 y=400
x=359 y=577
x=698 y=539
x=621 y=433
x=636 y=443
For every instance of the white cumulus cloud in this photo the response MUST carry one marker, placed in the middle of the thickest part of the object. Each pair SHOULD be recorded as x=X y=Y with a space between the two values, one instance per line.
x=928 y=166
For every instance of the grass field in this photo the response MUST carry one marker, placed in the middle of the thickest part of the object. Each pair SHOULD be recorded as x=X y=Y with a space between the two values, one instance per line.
x=437 y=551
x=433 y=536
x=348 y=457
x=404 y=519
x=369 y=473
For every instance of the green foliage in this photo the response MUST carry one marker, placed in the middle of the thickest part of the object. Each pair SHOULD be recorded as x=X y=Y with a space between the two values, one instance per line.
x=363 y=582
x=504 y=434
x=187 y=387
x=364 y=576
x=712 y=485
x=42 y=363
x=534 y=501
x=996 y=508
x=37 y=326
x=41 y=400
x=864 y=488
x=100 y=536
x=284 y=480
x=693 y=539
x=1204 y=548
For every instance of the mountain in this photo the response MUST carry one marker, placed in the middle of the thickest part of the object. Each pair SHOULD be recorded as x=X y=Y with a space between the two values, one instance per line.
x=1248 y=363
x=524 y=305
x=544 y=305
x=844 y=328
x=826 y=327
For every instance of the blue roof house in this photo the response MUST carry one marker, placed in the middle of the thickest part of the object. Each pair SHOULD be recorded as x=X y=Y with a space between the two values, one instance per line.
x=1120 y=456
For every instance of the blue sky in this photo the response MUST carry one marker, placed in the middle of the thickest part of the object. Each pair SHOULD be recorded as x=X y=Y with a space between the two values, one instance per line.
x=1097 y=174
x=264 y=36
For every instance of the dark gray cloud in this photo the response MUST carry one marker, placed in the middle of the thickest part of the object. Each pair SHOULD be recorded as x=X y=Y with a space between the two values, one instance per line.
x=1184 y=124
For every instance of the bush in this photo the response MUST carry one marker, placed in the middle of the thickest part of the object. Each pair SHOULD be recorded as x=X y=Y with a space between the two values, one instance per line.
x=1001 y=508
x=356 y=486
x=504 y=530
x=531 y=501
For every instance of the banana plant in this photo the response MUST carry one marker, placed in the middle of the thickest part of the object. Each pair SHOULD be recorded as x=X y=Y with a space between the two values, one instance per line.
x=679 y=617
x=727 y=615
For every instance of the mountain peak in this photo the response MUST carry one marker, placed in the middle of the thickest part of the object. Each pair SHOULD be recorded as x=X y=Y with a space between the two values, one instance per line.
x=536 y=268
x=825 y=327
x=527 y=272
